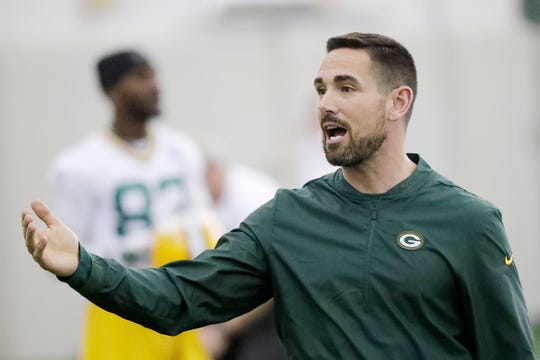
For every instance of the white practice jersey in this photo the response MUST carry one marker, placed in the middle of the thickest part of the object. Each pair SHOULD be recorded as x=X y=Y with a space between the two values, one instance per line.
x=114 y=197
x=244 y=190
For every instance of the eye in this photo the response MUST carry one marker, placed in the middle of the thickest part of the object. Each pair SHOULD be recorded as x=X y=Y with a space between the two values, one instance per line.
x=320 y=90
x=347 y=89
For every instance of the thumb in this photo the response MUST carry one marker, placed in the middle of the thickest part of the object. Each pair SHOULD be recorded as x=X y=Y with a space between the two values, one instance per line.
x=43 y=212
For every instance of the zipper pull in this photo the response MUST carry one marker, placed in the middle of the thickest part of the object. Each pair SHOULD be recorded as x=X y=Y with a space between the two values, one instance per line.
x=374 y=214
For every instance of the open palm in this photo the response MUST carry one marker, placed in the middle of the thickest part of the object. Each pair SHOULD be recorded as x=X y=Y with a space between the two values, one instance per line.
x=55 y=248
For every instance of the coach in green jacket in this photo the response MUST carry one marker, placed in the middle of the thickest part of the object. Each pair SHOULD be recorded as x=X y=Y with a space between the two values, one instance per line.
x=383 y=259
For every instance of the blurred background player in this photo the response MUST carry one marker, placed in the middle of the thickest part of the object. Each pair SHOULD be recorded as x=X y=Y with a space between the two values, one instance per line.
x=236 y=191
x=115 y=188
x=304 y=168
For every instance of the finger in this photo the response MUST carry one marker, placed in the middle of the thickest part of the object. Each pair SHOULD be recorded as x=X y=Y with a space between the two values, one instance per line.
x=43 y=212
x=27 y=220
x=41 y=243
x=30 y=237
x=23 y=215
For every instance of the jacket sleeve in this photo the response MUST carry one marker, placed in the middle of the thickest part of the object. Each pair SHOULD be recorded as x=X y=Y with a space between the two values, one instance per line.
x=216 y=286
x=494 y=305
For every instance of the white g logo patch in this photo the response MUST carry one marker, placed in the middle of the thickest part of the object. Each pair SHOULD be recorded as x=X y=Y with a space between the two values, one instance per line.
x=410 y=240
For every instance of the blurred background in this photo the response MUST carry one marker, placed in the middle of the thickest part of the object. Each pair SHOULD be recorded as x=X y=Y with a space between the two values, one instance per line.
x=238 y=75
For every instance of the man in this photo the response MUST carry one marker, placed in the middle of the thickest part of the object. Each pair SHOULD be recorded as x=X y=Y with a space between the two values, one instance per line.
x=384 y=259
x=116 y=187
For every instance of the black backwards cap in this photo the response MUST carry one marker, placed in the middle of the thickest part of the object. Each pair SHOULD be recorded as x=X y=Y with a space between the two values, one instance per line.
x=111 y=68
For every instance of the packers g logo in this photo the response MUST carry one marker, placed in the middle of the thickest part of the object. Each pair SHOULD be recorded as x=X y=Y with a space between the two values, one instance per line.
x=410 y=240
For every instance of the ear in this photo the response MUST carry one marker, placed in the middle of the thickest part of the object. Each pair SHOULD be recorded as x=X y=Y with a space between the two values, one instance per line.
x=399 y=102
x=112 y=94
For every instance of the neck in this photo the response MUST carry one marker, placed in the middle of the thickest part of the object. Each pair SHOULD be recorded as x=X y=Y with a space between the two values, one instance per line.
x=129 y=128
x=381 y=173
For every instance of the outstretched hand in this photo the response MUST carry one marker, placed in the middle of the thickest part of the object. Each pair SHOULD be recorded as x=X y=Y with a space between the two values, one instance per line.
x=55 y=248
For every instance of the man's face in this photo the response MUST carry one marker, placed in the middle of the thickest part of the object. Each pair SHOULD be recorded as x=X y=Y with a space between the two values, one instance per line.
x=350 y=108
x=138 y=92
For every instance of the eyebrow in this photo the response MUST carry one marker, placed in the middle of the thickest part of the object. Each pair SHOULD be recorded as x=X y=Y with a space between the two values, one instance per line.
x=342 y=78
x=337 y=78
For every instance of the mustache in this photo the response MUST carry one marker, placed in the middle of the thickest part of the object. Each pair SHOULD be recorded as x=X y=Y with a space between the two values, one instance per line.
x=333 y=119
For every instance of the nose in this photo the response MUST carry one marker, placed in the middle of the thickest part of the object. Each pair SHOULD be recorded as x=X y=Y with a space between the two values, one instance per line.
x=153 y=86
x=326 y=104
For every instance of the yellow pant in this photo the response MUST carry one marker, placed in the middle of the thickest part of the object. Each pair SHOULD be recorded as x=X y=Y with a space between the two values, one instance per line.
x=109 y=337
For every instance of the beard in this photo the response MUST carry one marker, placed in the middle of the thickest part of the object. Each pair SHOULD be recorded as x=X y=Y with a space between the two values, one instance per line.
x=359 y=150
x=142 y=109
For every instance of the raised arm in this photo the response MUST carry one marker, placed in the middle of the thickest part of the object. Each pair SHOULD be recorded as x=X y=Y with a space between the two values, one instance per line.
x=218 y=285
x=55 y=248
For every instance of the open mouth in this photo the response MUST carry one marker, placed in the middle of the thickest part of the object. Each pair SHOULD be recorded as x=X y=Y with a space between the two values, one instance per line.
x=334 y=133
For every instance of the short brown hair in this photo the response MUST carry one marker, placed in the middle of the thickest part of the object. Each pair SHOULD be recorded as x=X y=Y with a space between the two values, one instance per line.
x=393 y=64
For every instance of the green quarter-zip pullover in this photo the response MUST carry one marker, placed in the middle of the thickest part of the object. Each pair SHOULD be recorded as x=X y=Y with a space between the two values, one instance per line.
x=423 y=271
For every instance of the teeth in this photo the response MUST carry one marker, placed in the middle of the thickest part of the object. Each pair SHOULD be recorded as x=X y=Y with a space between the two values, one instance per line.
x=333 y=132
